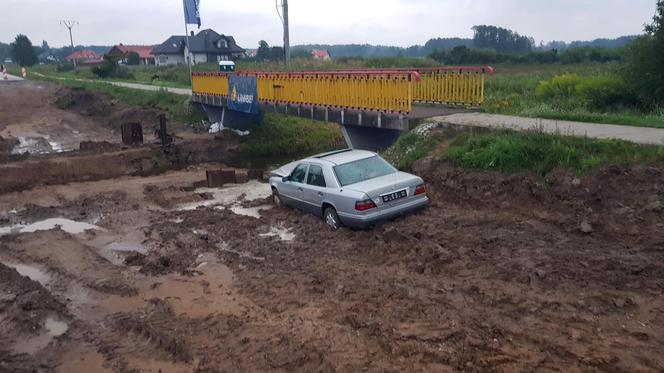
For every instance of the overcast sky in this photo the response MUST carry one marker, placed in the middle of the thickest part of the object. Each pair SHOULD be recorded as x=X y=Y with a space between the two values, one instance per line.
x=387 y=22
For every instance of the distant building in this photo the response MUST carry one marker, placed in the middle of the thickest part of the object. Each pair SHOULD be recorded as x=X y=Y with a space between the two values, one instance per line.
x=85 y=57
x=206 y=46
x=121 y=52
x=321 y=54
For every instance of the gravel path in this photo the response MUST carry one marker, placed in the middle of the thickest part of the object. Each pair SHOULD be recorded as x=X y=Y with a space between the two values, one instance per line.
x=640 y=135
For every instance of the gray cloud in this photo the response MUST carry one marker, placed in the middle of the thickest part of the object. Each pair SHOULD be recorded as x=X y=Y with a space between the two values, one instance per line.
x=392 y=22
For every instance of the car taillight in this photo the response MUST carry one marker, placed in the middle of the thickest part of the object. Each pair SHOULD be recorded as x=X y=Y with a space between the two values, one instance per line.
x=364 y=205
x=420 y=189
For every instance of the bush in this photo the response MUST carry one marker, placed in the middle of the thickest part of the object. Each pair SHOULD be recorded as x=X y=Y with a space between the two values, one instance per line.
x=562 y=86
x=607 y=92
x=110 y=69
x=64 y=67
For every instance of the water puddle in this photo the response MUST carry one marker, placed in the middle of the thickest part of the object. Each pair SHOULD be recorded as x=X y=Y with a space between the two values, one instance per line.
x=33 y=273
x=69 y=226
x=37 y=145
x=32 y=345
x=284 y=234
x=229 y=195
x=254 y=212
x=55 y=327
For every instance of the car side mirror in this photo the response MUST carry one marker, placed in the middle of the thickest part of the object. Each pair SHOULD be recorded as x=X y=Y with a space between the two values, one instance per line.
x=285 y=179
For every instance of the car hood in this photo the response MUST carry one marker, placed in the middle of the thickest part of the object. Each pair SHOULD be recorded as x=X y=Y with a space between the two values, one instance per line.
x=285 y=170
x=384 y=184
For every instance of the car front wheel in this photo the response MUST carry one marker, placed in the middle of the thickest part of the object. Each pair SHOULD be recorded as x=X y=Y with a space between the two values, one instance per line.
x=276 y=198
x=331 y=218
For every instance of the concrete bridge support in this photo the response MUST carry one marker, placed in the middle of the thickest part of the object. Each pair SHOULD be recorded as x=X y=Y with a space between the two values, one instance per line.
x=368 y=130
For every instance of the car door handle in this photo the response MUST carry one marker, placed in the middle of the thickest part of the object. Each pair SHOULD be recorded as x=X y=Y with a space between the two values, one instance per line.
x=320 y=194
x=300 y=189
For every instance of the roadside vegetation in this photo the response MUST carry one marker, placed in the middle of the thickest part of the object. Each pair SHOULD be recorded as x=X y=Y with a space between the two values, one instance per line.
x=282 y=135
x=508 y=151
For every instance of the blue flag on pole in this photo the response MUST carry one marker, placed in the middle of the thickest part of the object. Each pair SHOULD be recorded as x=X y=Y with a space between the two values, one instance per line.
x=192 y=15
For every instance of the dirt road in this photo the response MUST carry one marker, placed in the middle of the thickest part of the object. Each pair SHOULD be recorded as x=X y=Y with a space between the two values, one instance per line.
x=498 y=274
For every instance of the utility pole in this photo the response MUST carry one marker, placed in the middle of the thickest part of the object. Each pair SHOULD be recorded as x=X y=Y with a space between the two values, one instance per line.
x=70 y=25
x=284 y=20
x=286 y=33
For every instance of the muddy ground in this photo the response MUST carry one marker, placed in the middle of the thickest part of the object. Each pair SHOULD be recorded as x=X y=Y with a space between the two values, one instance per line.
x=500 y=273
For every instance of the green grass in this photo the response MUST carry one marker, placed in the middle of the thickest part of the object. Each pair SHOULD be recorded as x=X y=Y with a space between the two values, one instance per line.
x=281 y=135
x=512 y=91
x=542 y=153
x=409 y=148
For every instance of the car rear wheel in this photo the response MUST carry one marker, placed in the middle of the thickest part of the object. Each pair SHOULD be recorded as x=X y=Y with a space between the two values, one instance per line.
x=276 y=198
x=331 y=218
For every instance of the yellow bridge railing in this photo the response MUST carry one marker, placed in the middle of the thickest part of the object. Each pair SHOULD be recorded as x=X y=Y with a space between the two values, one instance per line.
x=452 y=85
x=391 y=90
x=385 y=91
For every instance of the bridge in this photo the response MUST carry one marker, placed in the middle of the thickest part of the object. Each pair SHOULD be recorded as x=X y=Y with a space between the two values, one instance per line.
x=373 y=107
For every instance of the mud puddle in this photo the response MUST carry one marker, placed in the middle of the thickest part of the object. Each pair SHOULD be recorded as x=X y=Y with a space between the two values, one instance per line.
x=230 y=196
x=209 y=290
x=82 y=359
x=283 y=233
x=38 y=145
x=67 y=225
x=33 y=273
x=53 y=328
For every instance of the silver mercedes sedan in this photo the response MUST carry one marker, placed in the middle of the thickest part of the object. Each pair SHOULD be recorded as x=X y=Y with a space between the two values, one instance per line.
x=355 y=188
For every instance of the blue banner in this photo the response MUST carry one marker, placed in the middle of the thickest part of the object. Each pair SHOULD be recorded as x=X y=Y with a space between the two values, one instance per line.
x=243 y=94
x=192 y=15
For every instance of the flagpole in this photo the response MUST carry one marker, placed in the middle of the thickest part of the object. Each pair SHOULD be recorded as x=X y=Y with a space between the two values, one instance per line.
x=186 y=35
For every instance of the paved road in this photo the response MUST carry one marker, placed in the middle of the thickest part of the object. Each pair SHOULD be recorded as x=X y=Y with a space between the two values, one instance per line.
x=143 y=87
x=10 y=78
x=640 y=135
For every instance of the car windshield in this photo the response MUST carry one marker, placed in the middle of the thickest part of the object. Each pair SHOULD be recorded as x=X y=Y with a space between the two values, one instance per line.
x=362 y=169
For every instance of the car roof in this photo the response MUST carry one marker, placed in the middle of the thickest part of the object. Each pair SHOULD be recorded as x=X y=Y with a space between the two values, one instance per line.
x=342 y=156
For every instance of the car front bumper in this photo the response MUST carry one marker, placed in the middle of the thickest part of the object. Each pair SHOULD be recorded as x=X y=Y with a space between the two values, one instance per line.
x=366 y=220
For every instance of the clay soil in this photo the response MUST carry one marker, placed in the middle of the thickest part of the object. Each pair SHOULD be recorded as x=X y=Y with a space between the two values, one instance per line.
x=500 y=273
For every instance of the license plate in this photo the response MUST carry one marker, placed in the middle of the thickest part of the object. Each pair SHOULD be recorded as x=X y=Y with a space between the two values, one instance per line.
x=394 y=196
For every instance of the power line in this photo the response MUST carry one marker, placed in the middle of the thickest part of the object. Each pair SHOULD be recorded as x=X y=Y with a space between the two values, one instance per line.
x=69 y=24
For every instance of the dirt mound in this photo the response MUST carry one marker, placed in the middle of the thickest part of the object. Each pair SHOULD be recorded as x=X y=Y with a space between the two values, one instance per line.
x=110 y=113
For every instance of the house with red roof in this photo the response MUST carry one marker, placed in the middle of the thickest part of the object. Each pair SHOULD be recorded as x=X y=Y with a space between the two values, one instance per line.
x=121 y=52
x=85 y=57
x=321 y=54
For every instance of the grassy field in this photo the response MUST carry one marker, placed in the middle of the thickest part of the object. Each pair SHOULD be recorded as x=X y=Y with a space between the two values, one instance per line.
x=513 y=91
x=288 y=136
x=509 y=151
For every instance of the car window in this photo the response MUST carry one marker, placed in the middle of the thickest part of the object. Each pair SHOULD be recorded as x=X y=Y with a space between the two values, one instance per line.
x=315 y=176
x=363 y=169
x=299 y=172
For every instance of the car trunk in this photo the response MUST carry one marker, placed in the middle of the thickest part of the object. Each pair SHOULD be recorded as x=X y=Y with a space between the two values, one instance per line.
x=380 y=186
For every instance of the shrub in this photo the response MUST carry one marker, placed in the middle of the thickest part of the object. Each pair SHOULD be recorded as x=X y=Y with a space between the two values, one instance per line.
x=562 y=86
x=606 y=92
x=64 y=67
x=133 y=59
x=110 y=69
